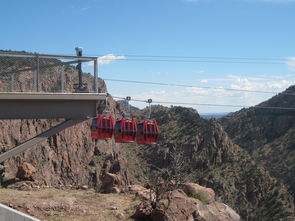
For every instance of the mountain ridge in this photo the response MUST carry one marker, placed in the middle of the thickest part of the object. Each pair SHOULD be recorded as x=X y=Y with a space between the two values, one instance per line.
x=268 y=135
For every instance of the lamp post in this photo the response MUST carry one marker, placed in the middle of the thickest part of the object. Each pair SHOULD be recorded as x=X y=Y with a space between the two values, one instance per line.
x=80 y=87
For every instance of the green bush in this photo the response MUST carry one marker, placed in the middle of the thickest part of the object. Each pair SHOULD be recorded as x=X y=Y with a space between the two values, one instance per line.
x=200 y=195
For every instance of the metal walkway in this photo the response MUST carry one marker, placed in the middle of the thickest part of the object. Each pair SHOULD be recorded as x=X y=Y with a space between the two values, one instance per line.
x=49 y=105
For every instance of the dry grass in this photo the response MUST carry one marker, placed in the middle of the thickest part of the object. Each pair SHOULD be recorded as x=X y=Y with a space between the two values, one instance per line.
x=74 y=205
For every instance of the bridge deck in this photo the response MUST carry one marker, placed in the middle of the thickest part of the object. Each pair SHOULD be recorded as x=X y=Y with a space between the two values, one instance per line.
x=27 y=105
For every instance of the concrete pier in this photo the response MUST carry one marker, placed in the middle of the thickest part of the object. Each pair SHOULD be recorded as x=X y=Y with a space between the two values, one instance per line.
x=9 y=214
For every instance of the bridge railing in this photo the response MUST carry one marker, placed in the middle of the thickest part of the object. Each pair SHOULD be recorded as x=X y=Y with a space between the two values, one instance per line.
x=28 y=72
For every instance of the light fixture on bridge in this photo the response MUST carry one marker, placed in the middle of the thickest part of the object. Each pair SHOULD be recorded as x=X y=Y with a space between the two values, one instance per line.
x=81 y=87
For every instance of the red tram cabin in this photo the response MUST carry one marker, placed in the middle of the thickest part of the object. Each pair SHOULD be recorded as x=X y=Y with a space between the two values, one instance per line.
x=102 y=127
x=147 y=132
x=125 y=130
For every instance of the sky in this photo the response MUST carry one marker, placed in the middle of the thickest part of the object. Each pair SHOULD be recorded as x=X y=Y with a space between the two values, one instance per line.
x=215 y=29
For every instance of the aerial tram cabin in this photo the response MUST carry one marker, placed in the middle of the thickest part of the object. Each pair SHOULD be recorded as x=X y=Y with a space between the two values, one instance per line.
x=147 y=132
x=102 y=127
x=125 y=130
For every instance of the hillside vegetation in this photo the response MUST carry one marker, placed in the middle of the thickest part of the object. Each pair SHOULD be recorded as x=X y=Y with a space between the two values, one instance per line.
x=268 y=135
x=213 y=160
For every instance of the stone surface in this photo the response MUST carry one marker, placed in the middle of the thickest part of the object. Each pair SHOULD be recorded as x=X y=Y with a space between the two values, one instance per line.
x=26 y=171
x=111 y=183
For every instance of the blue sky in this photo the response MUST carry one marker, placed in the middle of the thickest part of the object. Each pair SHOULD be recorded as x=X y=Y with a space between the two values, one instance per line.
x=208 y=28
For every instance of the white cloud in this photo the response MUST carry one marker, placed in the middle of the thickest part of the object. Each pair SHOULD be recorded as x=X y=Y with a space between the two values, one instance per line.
x=291 y=63
x=206 y=80
x=109 y=58
x=198 y=95
x=199 y=72
x=106 y=59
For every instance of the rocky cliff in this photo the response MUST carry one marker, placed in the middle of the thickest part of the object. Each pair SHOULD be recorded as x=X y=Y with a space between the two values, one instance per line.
x=70 y=158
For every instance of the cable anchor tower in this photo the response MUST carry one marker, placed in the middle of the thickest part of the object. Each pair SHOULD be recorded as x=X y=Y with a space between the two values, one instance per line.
x=149 y=101
x=105 y=111
x=128 y=98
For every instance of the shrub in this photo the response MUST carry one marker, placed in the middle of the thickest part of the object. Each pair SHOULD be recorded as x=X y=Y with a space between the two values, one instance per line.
x=200 y=195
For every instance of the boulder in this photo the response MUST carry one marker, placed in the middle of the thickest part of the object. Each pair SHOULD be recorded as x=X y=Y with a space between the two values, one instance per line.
x=26 y=171
x=111 y=183
x=178 y=206
x=209 y=212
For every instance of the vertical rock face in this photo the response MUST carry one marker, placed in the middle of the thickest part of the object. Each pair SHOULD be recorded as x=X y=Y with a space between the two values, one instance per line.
x=68 y=158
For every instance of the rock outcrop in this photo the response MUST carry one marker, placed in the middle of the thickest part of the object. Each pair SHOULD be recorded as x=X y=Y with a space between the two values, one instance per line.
x=177 y=205
x=26 y=171
x=111 y=183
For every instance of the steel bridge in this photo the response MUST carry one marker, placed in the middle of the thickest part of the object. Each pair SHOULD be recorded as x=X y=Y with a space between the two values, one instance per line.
x=40 y=86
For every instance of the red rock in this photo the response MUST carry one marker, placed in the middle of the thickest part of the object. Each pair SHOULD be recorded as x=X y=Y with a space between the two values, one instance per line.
x=111 y=183
x=178 y=206
x=26 y=171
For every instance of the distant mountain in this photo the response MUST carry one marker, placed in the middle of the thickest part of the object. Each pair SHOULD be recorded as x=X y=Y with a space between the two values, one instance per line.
x=124 y=106
x=268 y=135
x=213 y=115
x=213 y=160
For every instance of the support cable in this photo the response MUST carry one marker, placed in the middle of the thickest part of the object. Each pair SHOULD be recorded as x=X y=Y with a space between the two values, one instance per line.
x=193 y=86
x=210 y=104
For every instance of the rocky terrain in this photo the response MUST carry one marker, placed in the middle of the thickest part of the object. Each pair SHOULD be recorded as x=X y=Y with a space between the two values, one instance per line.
x=190 y=202
x=50 y=204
